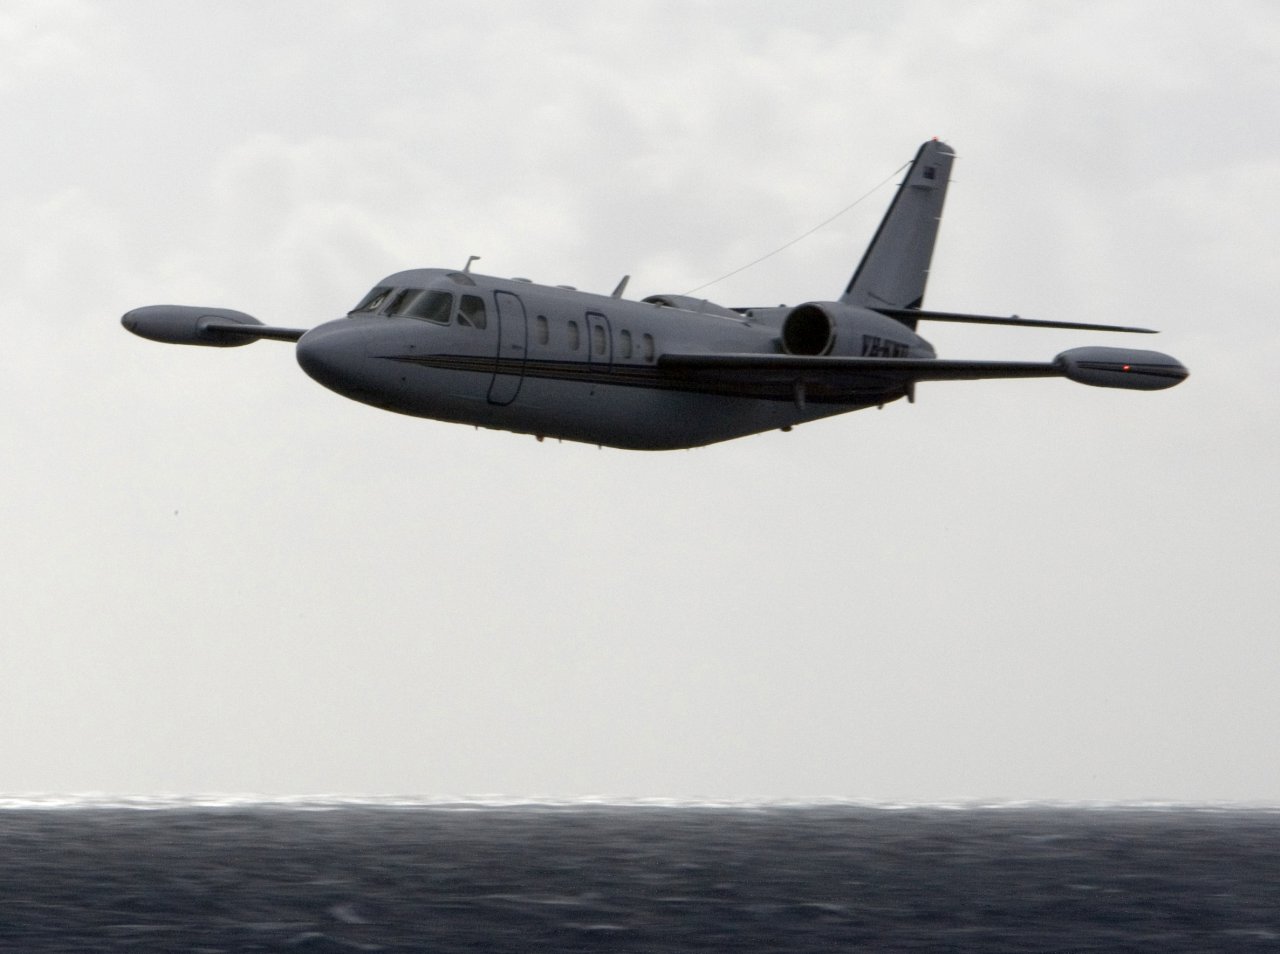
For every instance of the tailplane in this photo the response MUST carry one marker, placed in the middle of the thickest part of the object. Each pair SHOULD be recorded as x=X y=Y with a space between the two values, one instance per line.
x=895 y=267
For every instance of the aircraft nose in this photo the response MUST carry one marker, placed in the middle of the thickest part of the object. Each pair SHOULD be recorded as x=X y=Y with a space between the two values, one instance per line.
x=333 y=353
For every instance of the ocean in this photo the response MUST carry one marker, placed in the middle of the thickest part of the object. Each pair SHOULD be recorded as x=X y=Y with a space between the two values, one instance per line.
x=341 y=875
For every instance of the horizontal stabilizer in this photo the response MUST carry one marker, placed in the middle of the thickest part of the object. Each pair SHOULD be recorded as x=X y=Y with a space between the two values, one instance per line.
x=909 y=317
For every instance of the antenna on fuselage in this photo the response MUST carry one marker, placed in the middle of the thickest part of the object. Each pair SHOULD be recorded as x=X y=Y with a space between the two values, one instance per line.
x=466 y=269
x=617 y=292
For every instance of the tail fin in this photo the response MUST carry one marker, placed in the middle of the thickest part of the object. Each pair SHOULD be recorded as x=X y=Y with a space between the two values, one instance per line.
x=895 y=267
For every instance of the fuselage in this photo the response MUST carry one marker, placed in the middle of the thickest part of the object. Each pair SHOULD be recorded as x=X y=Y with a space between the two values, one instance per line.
x=556 y=362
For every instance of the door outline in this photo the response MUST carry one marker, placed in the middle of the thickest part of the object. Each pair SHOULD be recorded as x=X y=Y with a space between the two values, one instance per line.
x=595 y=319
x=512 y=350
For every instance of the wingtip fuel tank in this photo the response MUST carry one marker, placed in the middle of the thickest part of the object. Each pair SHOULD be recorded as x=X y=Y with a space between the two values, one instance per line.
x=188 y=324
x=1122 y=368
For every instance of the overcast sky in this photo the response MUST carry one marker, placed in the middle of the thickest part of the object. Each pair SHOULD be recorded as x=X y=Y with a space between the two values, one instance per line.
x=220 y=577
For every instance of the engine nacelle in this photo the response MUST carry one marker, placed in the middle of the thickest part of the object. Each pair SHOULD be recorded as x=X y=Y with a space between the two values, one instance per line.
x=186 y=324
x=1121 y=368
x=830 y=328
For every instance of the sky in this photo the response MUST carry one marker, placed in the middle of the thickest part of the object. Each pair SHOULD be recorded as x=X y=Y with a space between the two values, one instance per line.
x=221 y=577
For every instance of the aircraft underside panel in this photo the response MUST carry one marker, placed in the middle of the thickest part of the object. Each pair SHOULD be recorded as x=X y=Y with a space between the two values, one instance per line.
x=631 y=407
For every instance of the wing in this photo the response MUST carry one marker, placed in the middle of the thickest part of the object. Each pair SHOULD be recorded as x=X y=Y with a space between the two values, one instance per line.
x=838 y=380
x=251 y=332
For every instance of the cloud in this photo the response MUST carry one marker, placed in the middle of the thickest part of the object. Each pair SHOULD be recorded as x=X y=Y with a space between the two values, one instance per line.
x=45 y=41
x=1007 y=589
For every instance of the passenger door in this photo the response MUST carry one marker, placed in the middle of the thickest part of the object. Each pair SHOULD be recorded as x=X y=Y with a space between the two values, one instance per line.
x=513 y=346
x=599 y=344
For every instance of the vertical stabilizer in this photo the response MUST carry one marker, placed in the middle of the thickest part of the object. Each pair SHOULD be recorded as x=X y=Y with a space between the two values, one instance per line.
x=895 y=267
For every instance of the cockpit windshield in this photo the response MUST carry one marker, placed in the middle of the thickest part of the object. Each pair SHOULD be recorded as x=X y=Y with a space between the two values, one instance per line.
x=425 y=305
x=372 y=301
x=434 y=306
x=401 y=301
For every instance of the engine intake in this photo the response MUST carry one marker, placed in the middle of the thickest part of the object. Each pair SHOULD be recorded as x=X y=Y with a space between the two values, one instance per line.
x=808 y=330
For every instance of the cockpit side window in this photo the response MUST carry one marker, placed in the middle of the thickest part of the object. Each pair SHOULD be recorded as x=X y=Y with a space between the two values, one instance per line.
x=434 y=306
x=372 y=301
x=472 y=312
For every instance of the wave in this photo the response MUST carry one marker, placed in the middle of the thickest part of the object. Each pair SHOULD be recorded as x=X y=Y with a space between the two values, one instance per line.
x=331 y=802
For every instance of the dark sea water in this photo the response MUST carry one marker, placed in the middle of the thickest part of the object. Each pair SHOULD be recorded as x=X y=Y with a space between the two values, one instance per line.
x=593 y=877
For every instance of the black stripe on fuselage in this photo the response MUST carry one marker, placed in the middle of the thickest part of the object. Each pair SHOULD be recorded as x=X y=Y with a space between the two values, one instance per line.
x=724 y=383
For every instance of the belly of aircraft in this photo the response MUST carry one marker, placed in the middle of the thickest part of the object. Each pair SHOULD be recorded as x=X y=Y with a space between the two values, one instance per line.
x=610 y=415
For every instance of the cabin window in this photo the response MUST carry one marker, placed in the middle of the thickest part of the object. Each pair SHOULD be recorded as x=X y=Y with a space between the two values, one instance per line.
x=597 y=339
x=541 y=331
x=575 y=339
x=646 y=347
x=372 y=301
x=472 y=312
x=624 y=344
x=434 y=306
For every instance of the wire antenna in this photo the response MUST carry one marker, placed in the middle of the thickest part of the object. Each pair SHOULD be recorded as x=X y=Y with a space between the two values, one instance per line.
x=799 y=238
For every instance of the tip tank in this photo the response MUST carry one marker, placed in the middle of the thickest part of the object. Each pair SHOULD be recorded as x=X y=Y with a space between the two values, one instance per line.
x=187 y=324
x=1121 y=368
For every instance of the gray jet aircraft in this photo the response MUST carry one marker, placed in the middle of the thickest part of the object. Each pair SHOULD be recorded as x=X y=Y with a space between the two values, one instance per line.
x=671 y=371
